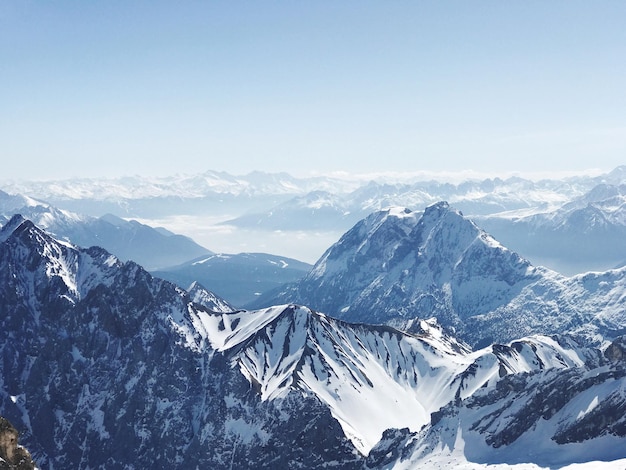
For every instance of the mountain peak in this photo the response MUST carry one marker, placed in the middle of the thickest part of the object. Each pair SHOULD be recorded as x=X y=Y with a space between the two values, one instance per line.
x=396 y=212
x=617 y=175
x=437 y=213
x=12 y=225
x=202 y=296
x=395 y=266
x=438 y=208
x=14 y=222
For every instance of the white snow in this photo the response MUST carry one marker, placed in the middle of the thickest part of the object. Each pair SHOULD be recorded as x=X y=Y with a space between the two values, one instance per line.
x=371 y=380
x=594 y=402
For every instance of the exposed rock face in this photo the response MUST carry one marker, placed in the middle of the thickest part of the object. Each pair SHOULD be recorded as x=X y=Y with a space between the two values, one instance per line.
x=616 y=352
x=12 y=455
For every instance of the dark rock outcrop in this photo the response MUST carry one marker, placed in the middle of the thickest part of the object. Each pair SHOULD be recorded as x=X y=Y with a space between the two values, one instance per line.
x=12 y=455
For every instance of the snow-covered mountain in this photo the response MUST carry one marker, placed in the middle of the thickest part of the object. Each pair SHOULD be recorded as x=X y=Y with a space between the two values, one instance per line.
x=143 y=244
x=371 y=377
x=10 y=203
x=570 y=225
x=202 y=296
x=238 y=278
x=546 y=418
x=397 y=265
x=184 y=186
x=279 y=200
x=150 y=197
x=328 y=210
x=585 y=234
x=105 y=366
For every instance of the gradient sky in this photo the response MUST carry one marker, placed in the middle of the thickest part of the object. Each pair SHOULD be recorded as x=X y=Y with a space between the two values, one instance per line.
x=113 y=88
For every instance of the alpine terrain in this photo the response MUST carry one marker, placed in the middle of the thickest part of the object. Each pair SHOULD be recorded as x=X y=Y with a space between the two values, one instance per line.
x=547 y=221
x=106 y=366
x=396 y=265
x=129 y=240
x=239 y=278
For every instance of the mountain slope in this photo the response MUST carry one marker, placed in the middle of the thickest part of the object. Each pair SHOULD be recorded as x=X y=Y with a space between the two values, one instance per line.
x=104 y=366
x=585 y=234
x=397 y=265
x=238 y=278
x=101 y=367
x=550 y=418
x=370 y=376
x=129 y=240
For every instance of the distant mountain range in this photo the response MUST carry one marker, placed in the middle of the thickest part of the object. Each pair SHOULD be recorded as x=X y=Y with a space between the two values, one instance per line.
x=142 y=197
x=587 y=233
x=571 y=226
x=240 y=278
x=153 y=248
x=107 y=366
x=562 y=223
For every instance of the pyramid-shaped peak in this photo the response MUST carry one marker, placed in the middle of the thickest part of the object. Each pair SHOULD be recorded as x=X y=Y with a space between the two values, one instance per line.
x=617 y=175
x=13 y=224
x=392 y=270
x=442 y=216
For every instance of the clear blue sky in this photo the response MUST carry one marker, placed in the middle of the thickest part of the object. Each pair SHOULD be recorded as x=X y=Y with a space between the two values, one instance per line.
x=108 y=88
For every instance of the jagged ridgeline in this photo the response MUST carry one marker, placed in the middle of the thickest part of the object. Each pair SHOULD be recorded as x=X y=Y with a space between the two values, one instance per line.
x=397 y=265
x=105 y=366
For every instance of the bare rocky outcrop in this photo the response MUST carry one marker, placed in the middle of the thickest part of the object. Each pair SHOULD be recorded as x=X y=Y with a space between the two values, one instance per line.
x=616 y=352
x=12 y=455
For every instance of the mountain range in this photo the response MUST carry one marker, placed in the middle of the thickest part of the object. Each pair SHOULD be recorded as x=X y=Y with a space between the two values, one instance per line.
x=239 y=278
x=585 y=234
x=563 y=223
x=103 y=367
x=571 y=226
x=153 y=248
x=106 y=366
x=397 y=265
